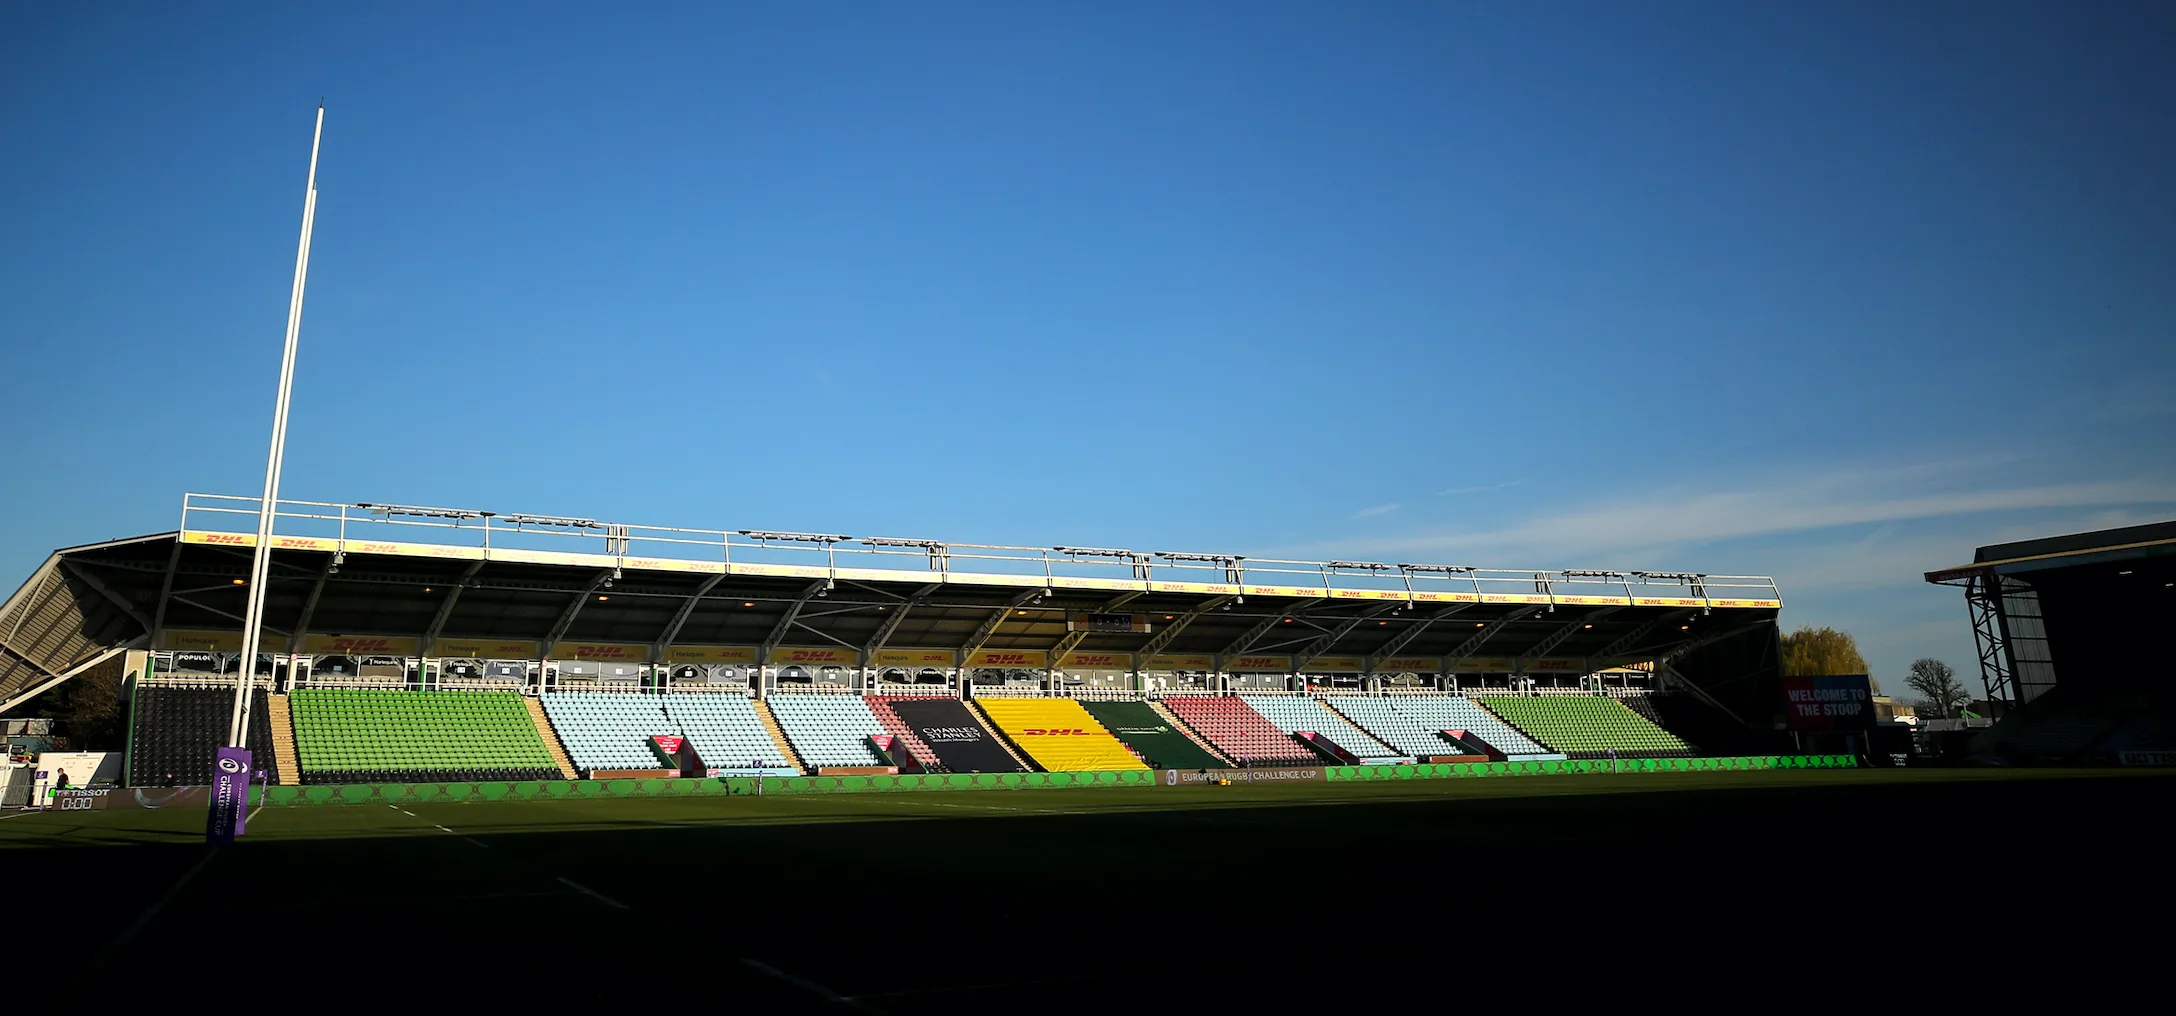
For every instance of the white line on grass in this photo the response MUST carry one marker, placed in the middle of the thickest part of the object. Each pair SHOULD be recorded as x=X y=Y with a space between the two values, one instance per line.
x=20 y=814
x=113 y=948
x=802 y=983
x=593 y=894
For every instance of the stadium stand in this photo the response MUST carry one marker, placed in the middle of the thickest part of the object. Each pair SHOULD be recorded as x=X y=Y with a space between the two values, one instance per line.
x=1295 y=713
x=608 y=730
x=1238 y=731
x=828 y=730
x=1059 y=735
x=958 y=740
x=1380 y=717
x=726 y=732
x=1452 y=712
x=177 y=730
x=356 y=735
x=880 y=706
x=1586 y=726
x=1151 y=736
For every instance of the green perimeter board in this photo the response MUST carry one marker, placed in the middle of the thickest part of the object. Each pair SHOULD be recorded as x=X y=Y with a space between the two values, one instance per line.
x=1137 y=724
x=550 y=790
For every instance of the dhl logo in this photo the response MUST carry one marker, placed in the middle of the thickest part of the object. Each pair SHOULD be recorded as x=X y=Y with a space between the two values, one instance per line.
x=1004 y=659
x=1054 y=732
x=814 y=656
x=604 y=652
x=230 y=539
x=359 y=645
x=1096 y=660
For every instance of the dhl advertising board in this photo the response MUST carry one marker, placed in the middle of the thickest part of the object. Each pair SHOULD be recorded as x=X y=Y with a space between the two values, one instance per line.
x=1556 y=665
x=202 y=641
x=914 y=658
x=1416 y=664
x=1008 y=658
x=1480 y=665
x=737 y=655
x=1181 y=661
x=1336 y=665
x=1095 y=661
x=489 y=649
x=361 y=645
x=816 y=656
x=613 y=652
x=1260 y=664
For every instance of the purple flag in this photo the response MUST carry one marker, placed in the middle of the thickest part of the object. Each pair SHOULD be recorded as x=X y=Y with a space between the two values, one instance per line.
x=230 y=796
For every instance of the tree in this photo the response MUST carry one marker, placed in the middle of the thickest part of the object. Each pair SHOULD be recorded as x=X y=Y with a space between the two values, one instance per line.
x=1944 y=694
x=1812 y=651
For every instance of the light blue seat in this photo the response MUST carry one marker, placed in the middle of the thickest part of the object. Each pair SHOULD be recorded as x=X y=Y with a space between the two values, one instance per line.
x=607 y=730
x=827 y=729
x=1456 y=712
x=727 y=734
x=1296 y=713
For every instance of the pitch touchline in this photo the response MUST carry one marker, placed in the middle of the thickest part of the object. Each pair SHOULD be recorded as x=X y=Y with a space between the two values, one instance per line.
x=592 y=893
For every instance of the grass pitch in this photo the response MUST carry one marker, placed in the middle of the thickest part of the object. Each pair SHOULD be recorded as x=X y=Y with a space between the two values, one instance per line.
x=1046 y=900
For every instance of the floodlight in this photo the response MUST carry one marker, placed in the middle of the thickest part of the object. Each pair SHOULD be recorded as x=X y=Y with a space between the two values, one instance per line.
x=421 y=511
x=886 y=541
x=766 y=535
x=552 y=520
x=1171 y=555
x=1125 y=555
x=1440 y=569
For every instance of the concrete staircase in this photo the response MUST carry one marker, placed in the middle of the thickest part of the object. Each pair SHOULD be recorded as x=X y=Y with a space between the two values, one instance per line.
x=778 y=735
x=551 y=738
x=997 y=734
x=284 y=760
x=1199 y=741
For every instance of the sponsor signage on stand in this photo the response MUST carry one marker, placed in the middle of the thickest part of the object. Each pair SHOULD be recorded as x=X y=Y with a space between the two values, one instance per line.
x=1828 y=702
x=229 y=796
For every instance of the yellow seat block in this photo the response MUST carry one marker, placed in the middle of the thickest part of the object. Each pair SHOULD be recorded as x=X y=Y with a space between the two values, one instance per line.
x=1059 y=734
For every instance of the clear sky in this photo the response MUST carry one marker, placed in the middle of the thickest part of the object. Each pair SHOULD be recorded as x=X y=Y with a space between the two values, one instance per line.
x=1830 y=291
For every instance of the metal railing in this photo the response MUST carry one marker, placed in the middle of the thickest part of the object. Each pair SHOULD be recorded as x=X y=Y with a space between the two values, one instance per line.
x=357 y=525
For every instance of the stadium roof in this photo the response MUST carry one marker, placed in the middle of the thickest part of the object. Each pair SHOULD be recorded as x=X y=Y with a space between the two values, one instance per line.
x=2106 y=546
x=372 y=579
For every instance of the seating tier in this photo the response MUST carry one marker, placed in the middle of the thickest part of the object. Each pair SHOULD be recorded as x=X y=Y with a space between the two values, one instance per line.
x=1380 y=717
x=1237 y=730
x=1452 y=712
x=727 y=734
x=608 y=730
x=1586 y=726
x=356 y=735
x=1150 y=737
x=1295 y=713
x=179 y=729
x=828 y=730
x=1058 y=734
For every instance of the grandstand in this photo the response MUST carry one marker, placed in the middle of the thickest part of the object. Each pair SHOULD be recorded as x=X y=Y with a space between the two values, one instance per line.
x=2055 y=621
x=410 y=643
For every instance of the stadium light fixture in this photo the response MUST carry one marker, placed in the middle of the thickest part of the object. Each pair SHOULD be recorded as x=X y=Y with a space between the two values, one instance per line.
x=768 y=536
x=241 y=582
x=551 y=520
x=1588 y=573
x=748 y=603
x=1439 y=569
x=1112 y=552
x=887 y=541
x=1366 y=566
x=420 y=511
x=1224 y=559
x=1675 y=575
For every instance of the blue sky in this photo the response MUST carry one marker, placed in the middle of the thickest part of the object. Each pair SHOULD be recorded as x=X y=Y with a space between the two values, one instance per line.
x=1832 y=292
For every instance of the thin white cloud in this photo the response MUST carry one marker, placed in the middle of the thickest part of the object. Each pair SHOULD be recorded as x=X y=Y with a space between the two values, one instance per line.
x=1824 y=502
x=1381 y=509
x=1482 y=489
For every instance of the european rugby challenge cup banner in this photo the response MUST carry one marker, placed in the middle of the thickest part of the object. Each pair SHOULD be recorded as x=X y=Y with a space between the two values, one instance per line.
x=230 y=796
